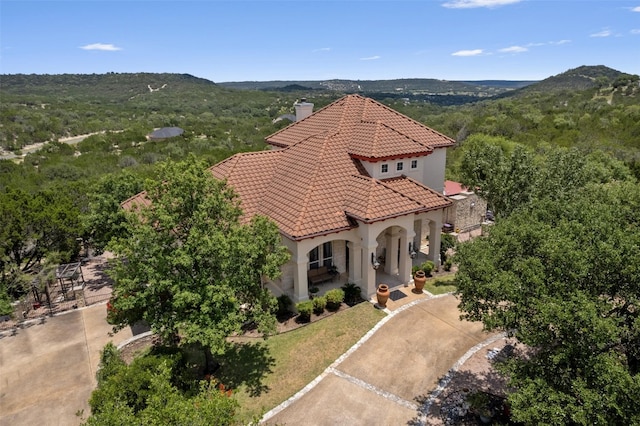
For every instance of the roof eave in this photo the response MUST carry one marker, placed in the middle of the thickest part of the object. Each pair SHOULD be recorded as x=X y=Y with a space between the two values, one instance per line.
x=394 y=215
x=389 y=157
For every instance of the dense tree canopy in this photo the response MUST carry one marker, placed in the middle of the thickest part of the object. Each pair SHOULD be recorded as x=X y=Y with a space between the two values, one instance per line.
x=563 y=276
x=156 y=390
x=509 y=175
x=189 y=266
x=33 y=226
x=105 y=218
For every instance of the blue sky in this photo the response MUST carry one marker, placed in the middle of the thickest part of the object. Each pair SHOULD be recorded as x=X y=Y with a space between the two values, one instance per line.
x=322 y=39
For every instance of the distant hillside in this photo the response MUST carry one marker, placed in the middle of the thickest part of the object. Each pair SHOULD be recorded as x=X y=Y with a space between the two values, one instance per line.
x=581 y=78
x=114 y=86
x=398 y=87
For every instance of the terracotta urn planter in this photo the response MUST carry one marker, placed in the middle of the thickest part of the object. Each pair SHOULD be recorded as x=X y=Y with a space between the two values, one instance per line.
x=419 y=279
x=383 y=295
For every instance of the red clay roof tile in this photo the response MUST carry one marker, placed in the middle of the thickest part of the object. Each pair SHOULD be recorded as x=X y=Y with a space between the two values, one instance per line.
x=315 y=186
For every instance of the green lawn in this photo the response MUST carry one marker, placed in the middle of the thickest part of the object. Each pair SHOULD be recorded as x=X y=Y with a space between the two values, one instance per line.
x=441 y=285
x=264 y=373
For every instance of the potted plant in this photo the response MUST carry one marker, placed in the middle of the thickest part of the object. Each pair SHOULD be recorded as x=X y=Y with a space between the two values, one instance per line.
x=313 y=291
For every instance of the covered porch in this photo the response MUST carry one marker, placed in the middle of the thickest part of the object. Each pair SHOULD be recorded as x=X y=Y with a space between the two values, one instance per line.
x=372 y=254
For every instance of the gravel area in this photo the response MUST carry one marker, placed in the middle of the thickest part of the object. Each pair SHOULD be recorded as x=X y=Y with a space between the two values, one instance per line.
x=450 y=406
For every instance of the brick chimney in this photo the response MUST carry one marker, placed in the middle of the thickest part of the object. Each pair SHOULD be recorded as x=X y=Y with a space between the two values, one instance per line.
x=303 y=109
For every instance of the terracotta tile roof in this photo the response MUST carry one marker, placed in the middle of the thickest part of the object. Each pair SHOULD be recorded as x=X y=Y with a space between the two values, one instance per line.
x=316 y=186
x=352 y=116
x=453 y=188
x=138 y=200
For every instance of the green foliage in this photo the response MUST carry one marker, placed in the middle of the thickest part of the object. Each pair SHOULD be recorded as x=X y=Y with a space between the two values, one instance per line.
x=509 y=176
x=447 y=241
x=352 y=293
x=334 y=297
x=105 y=218
x=191 y=267
x=33 y=226
x=110 y=363
x=501 y=172
x=319 y=303
x=562 y=275
x=5 y=302
x=304 y=309
x=427 y=267
x=448 y=264
x=284 y=304
x=153 y=391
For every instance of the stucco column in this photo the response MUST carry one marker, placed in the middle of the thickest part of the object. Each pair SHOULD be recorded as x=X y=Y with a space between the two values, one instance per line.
x=404 y=268
x=391 y=265
x=300 y=285
x=355 y=263
x=435 y=228
x=368 y=273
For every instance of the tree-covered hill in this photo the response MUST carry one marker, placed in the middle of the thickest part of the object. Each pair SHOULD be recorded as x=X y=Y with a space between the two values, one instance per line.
x=581 y=78
x=114 y=87
x=39 y=108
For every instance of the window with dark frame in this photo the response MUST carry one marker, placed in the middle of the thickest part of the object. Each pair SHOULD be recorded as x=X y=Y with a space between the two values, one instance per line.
x=414 y=164
x=400 y=166
x=314 y=258
x=384 y=168
x=327 y=254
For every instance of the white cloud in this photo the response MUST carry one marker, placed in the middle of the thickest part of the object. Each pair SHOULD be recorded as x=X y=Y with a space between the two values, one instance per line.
x=370 y=58
x=323 y=49
x=514 y=49
x=603 y=33
x=635 y=31
x=561 y=42
x=635 y=9
x=101 y=46
x=474 y=52
x=470 y=4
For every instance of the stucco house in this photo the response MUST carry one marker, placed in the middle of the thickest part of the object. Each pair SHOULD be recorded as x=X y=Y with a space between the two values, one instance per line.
x=354 y=187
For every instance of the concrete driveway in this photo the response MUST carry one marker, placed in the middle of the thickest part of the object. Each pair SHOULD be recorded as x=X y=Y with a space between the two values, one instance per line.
x=47 y=371
x=384 y=380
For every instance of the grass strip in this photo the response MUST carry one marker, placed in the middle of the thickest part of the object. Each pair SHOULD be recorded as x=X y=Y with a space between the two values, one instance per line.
x=295 y=358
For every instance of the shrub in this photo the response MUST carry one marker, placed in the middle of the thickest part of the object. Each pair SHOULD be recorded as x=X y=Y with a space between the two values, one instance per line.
x=352 y=293
x=447 y=242
x=319 y=303
x=304 y=309
x=448 y=264
x=284 y=305
x=334 y=298
x=427 y=267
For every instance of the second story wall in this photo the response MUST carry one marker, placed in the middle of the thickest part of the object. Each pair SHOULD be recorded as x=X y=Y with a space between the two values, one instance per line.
x=429 y=170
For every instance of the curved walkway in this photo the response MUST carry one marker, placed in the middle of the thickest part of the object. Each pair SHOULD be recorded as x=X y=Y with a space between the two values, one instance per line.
x=390 y=375
x=47 y=371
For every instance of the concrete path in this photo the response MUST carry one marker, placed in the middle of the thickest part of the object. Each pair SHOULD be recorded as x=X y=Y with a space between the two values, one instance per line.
x=47 y=371
x=385 y=378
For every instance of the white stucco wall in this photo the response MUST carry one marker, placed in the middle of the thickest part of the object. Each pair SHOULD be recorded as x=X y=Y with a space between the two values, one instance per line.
x=433 y=170
x=375 y=169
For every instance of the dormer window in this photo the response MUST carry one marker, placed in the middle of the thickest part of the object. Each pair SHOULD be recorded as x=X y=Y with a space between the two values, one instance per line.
x=384 y=168
x=399 y=166
x=414 y=164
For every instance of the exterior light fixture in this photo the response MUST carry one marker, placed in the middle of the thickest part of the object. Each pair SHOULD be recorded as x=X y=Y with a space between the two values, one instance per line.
x=374 y=261
x=412 y=251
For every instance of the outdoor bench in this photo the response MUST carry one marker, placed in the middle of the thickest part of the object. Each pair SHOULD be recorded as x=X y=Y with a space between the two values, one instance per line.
x=319 y=275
